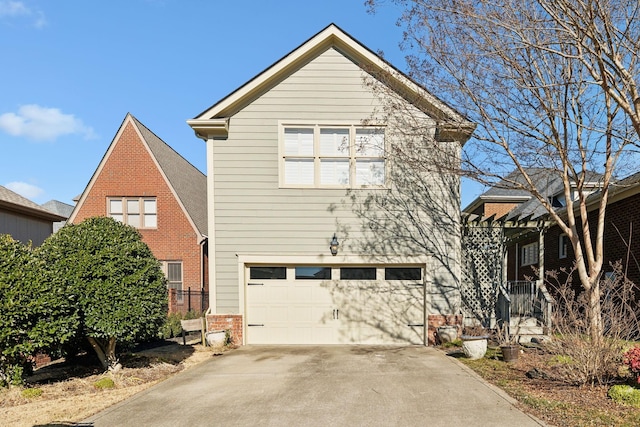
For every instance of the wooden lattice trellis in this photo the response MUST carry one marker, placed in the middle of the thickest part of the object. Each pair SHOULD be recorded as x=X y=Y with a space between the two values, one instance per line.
x=483 y=254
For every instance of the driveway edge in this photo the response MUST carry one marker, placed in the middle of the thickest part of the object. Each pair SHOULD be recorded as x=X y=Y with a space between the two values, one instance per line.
x=497 y=390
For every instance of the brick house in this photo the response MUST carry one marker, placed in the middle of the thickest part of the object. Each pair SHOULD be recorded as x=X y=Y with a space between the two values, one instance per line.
x=143 y=182
x=525 y=220
x=533 y=243
x=621 y=232
x=510 y=242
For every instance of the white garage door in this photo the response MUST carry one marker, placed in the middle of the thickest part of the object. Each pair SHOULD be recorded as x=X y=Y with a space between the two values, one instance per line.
x=335 y=305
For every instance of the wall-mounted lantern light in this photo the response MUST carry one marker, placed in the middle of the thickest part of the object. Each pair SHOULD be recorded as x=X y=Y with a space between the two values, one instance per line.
x=333 y=246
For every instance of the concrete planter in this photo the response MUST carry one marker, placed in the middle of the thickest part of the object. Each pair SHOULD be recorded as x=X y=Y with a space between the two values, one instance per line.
x=474 y=347
x=216 y=338
x=447 y=333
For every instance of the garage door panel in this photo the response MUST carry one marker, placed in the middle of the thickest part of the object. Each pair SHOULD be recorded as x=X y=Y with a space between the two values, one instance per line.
x=384 y=312
x=309 y=311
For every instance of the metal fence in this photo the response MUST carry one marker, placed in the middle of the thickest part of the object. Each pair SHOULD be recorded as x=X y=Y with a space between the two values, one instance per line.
x=186 y=300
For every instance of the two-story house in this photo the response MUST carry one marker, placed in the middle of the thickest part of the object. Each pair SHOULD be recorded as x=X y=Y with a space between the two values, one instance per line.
x=291 y=260
x=144 y=183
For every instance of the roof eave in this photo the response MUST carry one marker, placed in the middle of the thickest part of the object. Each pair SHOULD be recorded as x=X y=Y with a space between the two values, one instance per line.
x=46 y=215
x=453 y=125
x=210 y=128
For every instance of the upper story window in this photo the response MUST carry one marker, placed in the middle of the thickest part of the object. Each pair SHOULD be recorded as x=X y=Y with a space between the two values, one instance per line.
x=332 y=156
x=138 y=212
x=529 y=254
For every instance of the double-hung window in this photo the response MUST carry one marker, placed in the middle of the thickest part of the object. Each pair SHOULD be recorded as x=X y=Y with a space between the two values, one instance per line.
x=138 y=212
x=332 y=156
x=529 y=254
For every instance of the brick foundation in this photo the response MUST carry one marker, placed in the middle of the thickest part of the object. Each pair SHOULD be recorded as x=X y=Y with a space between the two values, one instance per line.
x=41 y=360
x=223 y=322
x=436 y=320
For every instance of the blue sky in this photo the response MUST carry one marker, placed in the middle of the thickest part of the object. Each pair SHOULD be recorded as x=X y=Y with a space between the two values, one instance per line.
x=73 y=69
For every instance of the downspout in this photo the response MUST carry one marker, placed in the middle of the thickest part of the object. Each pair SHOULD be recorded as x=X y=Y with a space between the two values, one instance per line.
x=202 y=278
x=202 y=270
x=211 y=226
x=209 y=130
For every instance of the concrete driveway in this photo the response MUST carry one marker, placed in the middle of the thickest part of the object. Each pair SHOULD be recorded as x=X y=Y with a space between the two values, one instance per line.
x=321 y=386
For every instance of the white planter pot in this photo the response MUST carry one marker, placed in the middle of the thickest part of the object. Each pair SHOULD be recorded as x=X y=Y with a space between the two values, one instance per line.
x=447 y=334
x=215 y=338
x=474 y=347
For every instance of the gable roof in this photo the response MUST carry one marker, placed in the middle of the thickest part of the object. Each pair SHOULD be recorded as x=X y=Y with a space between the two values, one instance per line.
x=187 y=183
x=214 y=120
x=12 y=201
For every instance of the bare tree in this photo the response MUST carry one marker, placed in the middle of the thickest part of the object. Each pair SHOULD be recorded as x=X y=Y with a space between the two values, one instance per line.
x=551 y=84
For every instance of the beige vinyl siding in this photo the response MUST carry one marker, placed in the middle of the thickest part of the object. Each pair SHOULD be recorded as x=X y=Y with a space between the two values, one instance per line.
x=25 y=228
x=252 y=214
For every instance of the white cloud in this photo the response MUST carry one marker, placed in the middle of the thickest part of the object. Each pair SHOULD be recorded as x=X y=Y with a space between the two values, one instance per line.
x=13 y=8
x=16 y=9
x=25 y=190
x=41 y=20
x=43 y=124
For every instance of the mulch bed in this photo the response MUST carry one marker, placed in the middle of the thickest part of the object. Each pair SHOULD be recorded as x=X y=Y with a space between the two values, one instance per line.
x=531 y=380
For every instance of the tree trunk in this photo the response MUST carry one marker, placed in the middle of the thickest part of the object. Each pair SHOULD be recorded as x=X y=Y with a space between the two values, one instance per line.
x=595 y=313
x=106 y=352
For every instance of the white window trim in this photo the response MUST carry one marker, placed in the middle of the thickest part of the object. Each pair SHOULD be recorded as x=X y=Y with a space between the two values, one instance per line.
x=165 y=270
x=317 y=157
x=529 y=254
x=563 y=246
x=141 y=200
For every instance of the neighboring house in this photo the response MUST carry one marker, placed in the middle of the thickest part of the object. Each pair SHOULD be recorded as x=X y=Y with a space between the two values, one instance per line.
x=58 y=208
x=23 y=219
x=621 y=232
x=143 y=182
x=510 y=242
x=523 y=217
x=291 y=263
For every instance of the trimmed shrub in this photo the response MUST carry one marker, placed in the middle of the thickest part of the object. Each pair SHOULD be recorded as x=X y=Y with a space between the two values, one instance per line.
x=36 y=316
x=625 y=395
x=119 y=289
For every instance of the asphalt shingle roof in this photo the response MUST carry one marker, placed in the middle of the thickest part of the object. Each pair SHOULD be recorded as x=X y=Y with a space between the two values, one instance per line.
x=12 y=200
x=188 y=182
x=547 y=181
x=58 y=207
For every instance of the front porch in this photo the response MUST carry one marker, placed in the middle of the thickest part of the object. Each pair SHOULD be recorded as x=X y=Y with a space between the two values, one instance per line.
x=492 y=298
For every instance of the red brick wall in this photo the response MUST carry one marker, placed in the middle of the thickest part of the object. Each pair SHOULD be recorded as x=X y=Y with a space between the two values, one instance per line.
x=436 y=320
x=622 y=223
x=498 y=209
x=224 y=322
x=130 y=171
